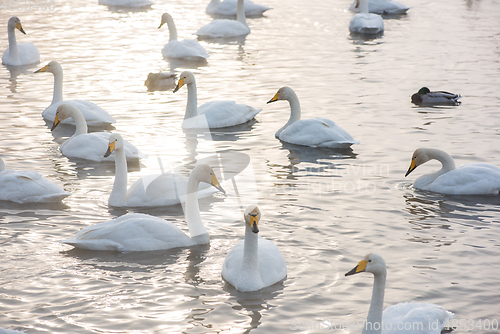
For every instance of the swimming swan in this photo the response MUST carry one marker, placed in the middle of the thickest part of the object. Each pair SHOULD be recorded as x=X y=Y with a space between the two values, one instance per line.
x=253 y=263
x=218 y=114
x=314 y=132
x=468 y=179
x=382 y=7
x=28 y=187
x=19 y=54
x=141 y=232
x=228 y=8
x=397 y=317
x=365 y=22
x=94 y=115
x=151 y=190
x=226 y=28
x=83 y=145
x=126 y=3
x=424 y=97
x=188 y=49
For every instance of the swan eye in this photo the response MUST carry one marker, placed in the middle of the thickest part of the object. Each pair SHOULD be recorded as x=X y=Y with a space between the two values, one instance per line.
x=369 y=260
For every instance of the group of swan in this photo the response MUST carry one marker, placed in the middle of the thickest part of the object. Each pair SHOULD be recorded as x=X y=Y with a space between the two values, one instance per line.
x=424 y=97
x=19 y=54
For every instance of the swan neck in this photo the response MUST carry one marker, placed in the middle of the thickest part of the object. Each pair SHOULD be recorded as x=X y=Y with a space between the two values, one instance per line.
x=445 y=159
x=58 y=87
x=376 y=305
x=13 y=49
x=363 y=6
x=80 y=123
x=2 y=165
x=118 y=196
x=250 y=250
x=192 y=100
x=172 y=29
x=240 y=12
x=294 y=107
x=192 y=209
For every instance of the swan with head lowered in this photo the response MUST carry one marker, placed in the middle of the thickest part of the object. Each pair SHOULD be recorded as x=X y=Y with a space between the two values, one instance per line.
x=382 y=7
x=365 y=22
x=19 y=54
x=224 y=28
x=217 y=114
x=314 y=132
x=142 y=232
x=414 y=318
x=229 y=8
x=93 y=114
x=88 y=146
x=468 y=179
x=188 y=49
x=253 y=263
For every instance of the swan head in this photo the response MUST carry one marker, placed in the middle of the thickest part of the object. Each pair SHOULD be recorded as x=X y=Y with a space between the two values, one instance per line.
x=52 y=67
x=284 y=93
x=64 y=111
x=16 y=24
x=205 y=173
x=252 y=217
x=115 y=142
x=421 y=156
x=185 y=78
x=165 y=18
x=372 y=263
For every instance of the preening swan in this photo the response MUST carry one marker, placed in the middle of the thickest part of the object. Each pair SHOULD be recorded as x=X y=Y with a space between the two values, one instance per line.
x=228 y=8
x=365 y=22
x=382 y=7
x=126 y=3
x=188 y=49
x=424 y=97
x=141 y=232
x=94 y=115
x=253 y=263
x=218 y=114
x=19 y=54
x=468 y=179
x=227 y=28
x=150 y=190
x=28 y=187
x=314 y=132
x=89 y=146
x=420 y=318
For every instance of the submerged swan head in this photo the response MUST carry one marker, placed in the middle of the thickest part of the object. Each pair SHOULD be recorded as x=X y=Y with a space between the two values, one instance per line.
x=252 y=217
x=52 y=67
x=185 y=78
x=115 y=142
x=15 y=23
x=422 y=155
x=372 y=263
x=205 y=173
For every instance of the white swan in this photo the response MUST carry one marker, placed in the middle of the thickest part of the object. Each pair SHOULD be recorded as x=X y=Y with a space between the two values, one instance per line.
x=227 y=28
x=126 y=3
x=421 y=318
x=151 y=190
x=94 y=115
x=218 y=114
x=28 y=187
x=365 y=22
x=19 y=54
x=382 y=7
x=253 y=263
x=469 y=179
x=10 y=331
x=89 y=146
x=141 y=232
x=228 y=8
x=188 y=49
x=314 y=132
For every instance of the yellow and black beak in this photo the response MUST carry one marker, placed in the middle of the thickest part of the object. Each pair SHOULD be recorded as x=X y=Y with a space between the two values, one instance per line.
x=357 y=4
x=20 y=27
x=274 y=99
x=413 y=165
x=216 y=184
x=161 y=24
x=56 y=122
x=254 y=223
x=111 y=148
x=43 y=69
x=179 y=85
x=358 y=269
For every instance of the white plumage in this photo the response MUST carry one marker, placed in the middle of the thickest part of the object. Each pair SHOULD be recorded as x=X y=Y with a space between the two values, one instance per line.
x=365 y=22
x=382 y=7
x=229 y=8
x=226 y=28
x=19 y=54
x=126 y=3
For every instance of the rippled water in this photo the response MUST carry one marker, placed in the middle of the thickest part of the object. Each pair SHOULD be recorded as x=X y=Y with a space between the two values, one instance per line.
x=324 y=210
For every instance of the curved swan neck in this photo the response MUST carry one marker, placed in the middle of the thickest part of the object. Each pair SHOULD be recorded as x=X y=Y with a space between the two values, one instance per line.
x=240 y=12
x=172 y=29
x=118 y=196
x=13 y=49
x=192 y=100
x=376 y=305
x=192 y=211
x=58 y=86
x=444 y=158
x=293 y=100
x=80 y=122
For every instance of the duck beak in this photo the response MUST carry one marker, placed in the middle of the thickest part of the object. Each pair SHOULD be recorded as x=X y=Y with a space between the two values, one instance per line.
x=43 y=69
x=358 y=269
x=413 y=165
x=20 y=27
x=179 y=85
x=216 y=184
x=274 y=99
x=56 y=123
x=254 y=223
x=111 y=148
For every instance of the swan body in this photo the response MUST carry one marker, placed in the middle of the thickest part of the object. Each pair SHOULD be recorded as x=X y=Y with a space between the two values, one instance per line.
x=19 y=54
x=93 y=114
x=424 y=97
x=126 y=3
x=315 y=132
x=141 y=232
x=397 y=318
x=365 y=22
x=469 y=179
x=217 y=114
x=227 y=28
x=10 y=331
x=187 y=49
x=160 y=81
x=382 y=7
x=253 y=263
x=28 y=187
x=228 y=8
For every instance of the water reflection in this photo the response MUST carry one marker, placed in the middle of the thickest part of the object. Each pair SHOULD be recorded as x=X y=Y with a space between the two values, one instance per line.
x=361 y=39
x=186 y=63
x=299 y=154
x=16 y=71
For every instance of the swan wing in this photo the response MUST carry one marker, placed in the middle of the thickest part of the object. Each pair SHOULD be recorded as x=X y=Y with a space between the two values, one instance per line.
x=223 y=28
x=28 y=54
x=366 y=23
x=382 y=7
x=272 y=264
x=419 y=318
x=228 y=8
x=188 y=48
x=93 y=114
x=220 y=114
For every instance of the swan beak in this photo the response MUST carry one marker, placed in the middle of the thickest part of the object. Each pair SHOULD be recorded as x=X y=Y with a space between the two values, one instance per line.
x=254 y=223
x=357 y=4
x=274 y=99
x=216 y=184
x=56 y=123
x=179 y=85
x=20 y=27
x=161 y=24
x=413 y=165
x=111 y=148
x=358 y=269
x=43 y=69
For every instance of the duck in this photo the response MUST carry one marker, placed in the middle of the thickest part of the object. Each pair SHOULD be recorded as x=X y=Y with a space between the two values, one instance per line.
x=160 y=81
x=88 y=146
x=254 y=263
x=94 y=115
x=365 y=22
x=215 y=114
x=188 y=49
x=142 y=232
x=228 y=8
x=126 y=3
x=468 y=179
x=149 y=191
x=19 y=54
x=397 y=317
x=382 y=7
x=224 y=28
x=424 y=97
x=25 y=186
x=313 y=132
